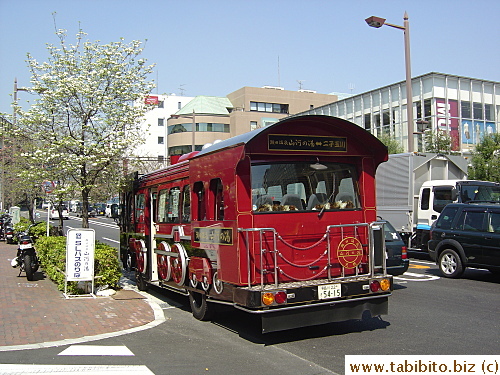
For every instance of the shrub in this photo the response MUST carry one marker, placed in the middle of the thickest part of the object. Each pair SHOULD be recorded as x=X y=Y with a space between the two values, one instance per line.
x=52 y=254
x=36 y=231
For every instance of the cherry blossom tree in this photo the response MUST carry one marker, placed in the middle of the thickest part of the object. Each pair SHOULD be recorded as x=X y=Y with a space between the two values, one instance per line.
x=87 y=115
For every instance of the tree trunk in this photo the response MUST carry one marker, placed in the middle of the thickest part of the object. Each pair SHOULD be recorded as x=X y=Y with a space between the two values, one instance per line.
x=85 y=208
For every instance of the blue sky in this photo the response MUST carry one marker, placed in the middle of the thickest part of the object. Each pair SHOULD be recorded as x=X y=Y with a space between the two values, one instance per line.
x=214 y=47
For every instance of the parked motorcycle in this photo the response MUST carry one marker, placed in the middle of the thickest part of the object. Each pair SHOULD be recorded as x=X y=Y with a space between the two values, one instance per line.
x=8 y=229
x=26 y=258
x=5 y=220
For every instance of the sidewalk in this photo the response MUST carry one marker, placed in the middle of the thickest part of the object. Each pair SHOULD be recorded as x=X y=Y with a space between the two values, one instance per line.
x=35 y=312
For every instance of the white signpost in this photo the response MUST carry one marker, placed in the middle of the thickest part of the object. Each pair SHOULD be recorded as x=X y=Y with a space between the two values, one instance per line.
x=80 y=247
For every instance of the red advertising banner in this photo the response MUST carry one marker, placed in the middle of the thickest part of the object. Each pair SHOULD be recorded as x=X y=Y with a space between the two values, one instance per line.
x=151 y=100
x=447 y=120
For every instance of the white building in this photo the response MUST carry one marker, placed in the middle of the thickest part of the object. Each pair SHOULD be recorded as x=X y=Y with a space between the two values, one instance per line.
x=155 y=125
x=466 y=108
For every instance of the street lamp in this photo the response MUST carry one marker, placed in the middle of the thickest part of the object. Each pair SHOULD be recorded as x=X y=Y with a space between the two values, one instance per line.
x=379 y=22
x=2 y=191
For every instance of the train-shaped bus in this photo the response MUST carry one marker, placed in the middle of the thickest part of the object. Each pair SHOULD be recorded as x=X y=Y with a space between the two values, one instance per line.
x=280 y=222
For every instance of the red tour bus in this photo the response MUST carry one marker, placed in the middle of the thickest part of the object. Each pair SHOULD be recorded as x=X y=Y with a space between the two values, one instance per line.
x=280 y=222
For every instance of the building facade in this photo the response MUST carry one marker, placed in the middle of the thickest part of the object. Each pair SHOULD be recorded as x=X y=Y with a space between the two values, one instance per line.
x=155 y=125
x=246 y=109
x=465 y=108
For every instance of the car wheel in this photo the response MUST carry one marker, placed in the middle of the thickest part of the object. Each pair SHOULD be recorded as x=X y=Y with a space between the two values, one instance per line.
x=450 y=264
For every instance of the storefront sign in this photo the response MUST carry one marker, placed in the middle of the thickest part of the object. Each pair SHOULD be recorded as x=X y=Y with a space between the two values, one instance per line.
x=151 y=100
x=80 y=246
x=447 y=120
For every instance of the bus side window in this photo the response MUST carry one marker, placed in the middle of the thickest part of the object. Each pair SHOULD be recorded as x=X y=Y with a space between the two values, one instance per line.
x=217 y=191
x=173 y=205
x=199 y=191
x=154 y=197
x=186 y=204
x=162 y=206
x=139 y=208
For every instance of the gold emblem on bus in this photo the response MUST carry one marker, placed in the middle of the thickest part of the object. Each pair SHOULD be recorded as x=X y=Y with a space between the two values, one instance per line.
x=350 y=252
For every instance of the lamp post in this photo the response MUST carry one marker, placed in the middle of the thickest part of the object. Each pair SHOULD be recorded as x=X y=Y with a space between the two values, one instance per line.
x=379 y=22
x=14 y=113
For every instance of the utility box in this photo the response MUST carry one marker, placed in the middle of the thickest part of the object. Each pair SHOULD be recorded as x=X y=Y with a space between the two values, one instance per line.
x=15 y=213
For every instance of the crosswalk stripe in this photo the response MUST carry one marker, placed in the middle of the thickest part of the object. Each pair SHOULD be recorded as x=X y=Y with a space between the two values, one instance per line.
x=97 y=350
x=72 y=369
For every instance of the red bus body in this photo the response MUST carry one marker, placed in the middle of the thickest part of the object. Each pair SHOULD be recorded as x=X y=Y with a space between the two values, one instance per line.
x=279 y=222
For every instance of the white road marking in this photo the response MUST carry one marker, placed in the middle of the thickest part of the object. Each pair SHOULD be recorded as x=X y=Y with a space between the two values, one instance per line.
x=109 y=239
x=72 y=369
x=418 y=277
x=97 y=350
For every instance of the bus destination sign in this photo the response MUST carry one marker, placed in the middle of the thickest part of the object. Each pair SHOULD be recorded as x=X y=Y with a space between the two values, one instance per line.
x=285 y=142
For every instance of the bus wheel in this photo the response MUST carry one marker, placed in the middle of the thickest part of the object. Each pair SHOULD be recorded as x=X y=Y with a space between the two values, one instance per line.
x=141 y=283
x=178 y=264
x=164 y=262
x=200 y=306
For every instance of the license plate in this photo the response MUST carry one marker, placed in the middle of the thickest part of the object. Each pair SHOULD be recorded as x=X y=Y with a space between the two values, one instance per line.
x=329 y=291
x=26 y=246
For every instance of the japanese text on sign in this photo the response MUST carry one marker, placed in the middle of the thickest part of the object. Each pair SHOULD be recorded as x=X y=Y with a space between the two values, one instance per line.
x=306 y=143
x=80 y=246
x=221 y=236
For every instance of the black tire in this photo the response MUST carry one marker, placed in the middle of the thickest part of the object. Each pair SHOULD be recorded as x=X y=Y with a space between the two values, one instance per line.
x=141 y=283
x=28 y=267
x=199 y=306
x=450 y=264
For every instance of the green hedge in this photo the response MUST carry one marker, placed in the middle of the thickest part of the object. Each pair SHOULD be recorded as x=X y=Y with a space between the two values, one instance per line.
x=52 y=254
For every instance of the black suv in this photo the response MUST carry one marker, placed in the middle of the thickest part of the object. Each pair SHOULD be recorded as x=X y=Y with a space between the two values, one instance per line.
x=466 y=234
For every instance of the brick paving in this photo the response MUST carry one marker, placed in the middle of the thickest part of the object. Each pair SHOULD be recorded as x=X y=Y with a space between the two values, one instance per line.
x=34 y=312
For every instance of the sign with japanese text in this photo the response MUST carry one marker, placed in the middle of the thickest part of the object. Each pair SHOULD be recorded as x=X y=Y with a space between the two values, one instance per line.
x=287 y=142
x=221 y=236
x=80 y=247
x=151 y=100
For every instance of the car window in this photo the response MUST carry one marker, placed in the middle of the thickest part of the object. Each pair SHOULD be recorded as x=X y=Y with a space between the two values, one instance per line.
x=445 y=220
x=494 y=222
x=471 y=221
x=390 y=233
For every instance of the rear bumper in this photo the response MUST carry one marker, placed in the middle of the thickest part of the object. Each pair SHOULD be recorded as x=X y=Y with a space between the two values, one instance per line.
x=396 y=270
x=304 y=307
x=323 y=314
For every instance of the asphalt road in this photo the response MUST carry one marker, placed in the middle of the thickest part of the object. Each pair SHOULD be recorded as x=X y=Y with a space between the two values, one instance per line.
x=428 y=315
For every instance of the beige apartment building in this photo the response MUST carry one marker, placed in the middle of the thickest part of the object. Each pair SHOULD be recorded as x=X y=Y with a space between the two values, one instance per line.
x=246 y=109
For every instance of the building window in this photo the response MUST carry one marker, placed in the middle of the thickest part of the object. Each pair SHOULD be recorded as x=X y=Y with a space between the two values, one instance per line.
x=161 y=104
x=253 y=125
x=368 y=121
x=488 y=112
x=161 y=121
x=466 y=112
x=210 y=127
x=179 y=105
x=478 y=111
x=268 y=107
x=161 y=140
